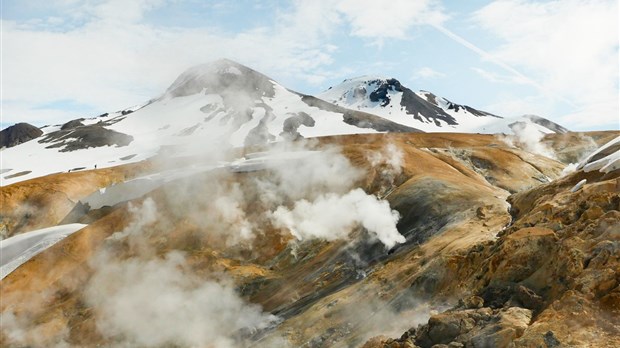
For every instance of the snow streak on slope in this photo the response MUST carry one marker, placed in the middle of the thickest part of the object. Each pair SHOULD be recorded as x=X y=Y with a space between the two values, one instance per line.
x=606 y=159
x=17 y=250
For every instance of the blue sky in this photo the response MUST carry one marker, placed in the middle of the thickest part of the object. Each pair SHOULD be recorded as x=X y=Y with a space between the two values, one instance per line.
x=63 y=59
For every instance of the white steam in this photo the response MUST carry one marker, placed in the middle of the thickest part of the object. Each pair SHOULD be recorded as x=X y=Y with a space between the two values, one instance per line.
x=570 y=168
x=590 y=148
x=315 y=197
x=20 y=332
x=231 y=213
x=154 y=303
x=389 y=162
x=136 y=232
x=529 y=137
x=147 y=300
x=390 y=155
x=324 y=171
x=331 y=217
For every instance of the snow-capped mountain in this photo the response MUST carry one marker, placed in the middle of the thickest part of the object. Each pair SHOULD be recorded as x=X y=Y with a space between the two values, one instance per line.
x=224 y=104
x=388 y=98
x=216 y=105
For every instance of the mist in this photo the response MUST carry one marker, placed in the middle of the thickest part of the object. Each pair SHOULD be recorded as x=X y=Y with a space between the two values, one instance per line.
x=149 y=296
x=529 y=137
x=154 y=303
x=162 y=279
x=147 y=300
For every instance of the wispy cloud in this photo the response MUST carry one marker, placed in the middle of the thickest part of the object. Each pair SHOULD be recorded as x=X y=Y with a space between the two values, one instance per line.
x=571 y=46
x=518 y=77
x=107 y=55
x=427 y=73
x=391 y=19
x=111 y=54
x=497 y=78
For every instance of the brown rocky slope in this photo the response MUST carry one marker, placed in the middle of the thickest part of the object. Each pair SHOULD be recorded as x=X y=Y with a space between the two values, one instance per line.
x=541 y=271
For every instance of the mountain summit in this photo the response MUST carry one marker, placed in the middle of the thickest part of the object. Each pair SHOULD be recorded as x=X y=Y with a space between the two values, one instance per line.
x=388 y=98
x=224 y=77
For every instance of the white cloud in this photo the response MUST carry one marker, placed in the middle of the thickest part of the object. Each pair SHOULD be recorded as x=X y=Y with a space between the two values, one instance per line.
x=494 y=77
x=512 y=105
x=389 y=19
x=569 y=46
x=114 y=59
x=105 y=54
x=124 y=11
x=427 y=73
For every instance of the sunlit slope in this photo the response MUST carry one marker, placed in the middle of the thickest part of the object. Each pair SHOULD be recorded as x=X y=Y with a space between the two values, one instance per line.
x=239 y=233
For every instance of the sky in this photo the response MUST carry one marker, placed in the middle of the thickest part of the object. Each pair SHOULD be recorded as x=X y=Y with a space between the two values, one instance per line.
x=64 y=59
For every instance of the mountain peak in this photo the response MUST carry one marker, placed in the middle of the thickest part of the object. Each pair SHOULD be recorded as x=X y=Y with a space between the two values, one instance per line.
x=221 y=76
x=389 y=98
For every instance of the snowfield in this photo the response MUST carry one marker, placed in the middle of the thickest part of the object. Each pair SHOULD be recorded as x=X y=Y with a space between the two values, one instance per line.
x=16 y=250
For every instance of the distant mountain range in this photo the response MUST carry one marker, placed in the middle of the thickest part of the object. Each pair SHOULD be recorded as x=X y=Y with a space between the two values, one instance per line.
x=225 y=104
x=388 y=98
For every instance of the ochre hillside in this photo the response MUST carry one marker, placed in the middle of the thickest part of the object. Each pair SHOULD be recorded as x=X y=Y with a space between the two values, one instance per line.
x=497 y=251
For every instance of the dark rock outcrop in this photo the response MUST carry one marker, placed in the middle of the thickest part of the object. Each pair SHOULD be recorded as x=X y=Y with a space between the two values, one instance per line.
x=380 y=94
x=547 y=124
x=416 y=106
x=358 y=118
x=484 y=327
x=18 y=133
x=292 y=124
x=424 y=111
x=83 y=137
x=432 y=98
x=72 y=124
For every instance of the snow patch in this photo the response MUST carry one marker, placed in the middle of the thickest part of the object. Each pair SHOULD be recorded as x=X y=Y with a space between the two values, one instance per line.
x=16 y=250
x=606 y=159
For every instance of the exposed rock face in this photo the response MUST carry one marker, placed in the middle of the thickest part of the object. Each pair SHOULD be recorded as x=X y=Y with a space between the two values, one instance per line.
x=557 y=264
x=72 y=124
x=359 y=119
x=424 y=111
x=380 y=94
x=76 y=137
x=18 y=133
x=291 y=124
x=547 y=124
x=388 y=98
x=484 y=327
x=431 y=98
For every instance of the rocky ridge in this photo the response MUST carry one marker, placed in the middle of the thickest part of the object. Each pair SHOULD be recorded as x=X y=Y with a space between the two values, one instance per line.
x=549 y=280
